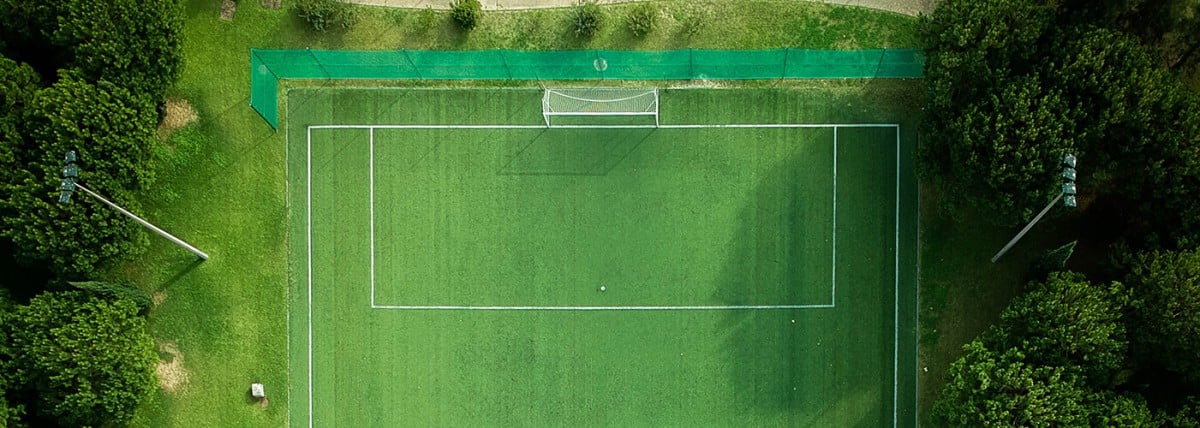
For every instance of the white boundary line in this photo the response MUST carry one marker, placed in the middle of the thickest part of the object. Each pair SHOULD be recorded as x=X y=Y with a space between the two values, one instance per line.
x=896 y=250
x=308 y=238
x=371 y=169
x=833 y=244
x=896 y=299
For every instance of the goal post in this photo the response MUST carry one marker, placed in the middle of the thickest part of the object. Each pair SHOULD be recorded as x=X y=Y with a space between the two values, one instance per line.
x=599 y=102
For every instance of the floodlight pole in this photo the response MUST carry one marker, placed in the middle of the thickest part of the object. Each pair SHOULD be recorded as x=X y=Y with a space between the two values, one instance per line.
x=1022 y=233
x=70 y=173
x=152 y=227
x=1068 y=190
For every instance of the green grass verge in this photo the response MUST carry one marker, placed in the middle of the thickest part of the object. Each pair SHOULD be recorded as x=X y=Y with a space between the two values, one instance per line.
x=223 y=190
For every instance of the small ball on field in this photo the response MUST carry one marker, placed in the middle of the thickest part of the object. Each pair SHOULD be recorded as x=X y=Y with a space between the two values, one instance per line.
x=602 y=288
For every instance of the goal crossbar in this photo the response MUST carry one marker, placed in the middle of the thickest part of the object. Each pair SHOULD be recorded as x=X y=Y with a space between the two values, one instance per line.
x=600 y=102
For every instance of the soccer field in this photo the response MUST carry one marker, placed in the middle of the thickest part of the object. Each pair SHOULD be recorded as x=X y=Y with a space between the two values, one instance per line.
x=751 y=261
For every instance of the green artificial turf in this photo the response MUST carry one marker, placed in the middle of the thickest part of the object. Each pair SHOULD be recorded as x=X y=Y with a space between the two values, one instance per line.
x=543 y=218
x=223 y=181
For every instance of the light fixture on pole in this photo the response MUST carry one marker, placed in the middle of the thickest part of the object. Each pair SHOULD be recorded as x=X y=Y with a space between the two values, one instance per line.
x=1067 y=195
x=70 y=184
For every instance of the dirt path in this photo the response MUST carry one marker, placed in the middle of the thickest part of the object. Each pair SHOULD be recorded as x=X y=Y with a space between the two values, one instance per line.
x=906 y=7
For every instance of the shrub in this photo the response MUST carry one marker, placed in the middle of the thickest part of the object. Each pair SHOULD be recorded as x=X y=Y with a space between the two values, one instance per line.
x=693 y=21
x=642 y=19
x=466 y=13
x=117 y=291
x=326 y=14
x=587 y=19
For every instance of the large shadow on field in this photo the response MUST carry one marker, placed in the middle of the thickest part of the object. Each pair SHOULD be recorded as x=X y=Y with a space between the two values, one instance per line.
x=801 y=366
x=586 y=152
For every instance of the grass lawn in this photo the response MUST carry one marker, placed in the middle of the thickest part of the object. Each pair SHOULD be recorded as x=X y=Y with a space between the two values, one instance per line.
x=223 y=185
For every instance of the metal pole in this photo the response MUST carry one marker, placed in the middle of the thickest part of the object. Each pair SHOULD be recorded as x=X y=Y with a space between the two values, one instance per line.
x=1026 y=229
x=152 y=227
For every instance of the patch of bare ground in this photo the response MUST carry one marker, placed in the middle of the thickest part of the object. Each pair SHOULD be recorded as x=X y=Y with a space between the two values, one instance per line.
x=228 y=9
x=158 y=297
x=271 y=4
x=179 y=113
x=172 y=376
x=702 y=83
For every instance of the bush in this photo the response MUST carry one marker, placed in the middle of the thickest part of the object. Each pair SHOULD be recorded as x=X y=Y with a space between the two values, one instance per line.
x=326 y=14
x=642 y=19
x=117 y=291
x=466 y=13
x=693 y=21
x=587 y=19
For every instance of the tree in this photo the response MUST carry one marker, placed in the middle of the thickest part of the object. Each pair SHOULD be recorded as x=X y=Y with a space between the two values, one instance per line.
x=323 y=15
x=993 y=132
x=1166 y=310
x=587 y=18
x=1102 y=76
x=136 y=44
x=90 y=360
x=642 y=19
x=1066 y=321
x=972 y=46
x=990 y=388
x=1159 y=170
x=1186 y=416
x=1110 y=409
x=466 y=13
x=10 y=412
x=1000 y=154
x=18 y=86
x=113 y=131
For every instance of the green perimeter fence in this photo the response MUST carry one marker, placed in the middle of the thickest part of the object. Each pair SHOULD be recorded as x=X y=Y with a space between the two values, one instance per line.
x=267 y=67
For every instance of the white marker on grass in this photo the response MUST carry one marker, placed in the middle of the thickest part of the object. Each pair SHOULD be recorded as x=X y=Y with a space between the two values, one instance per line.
x=602 y=288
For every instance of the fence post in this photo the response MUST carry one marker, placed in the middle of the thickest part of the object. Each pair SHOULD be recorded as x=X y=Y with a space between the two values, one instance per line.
x=878 y=65
x=504 y=60
x=691 y=64
x=413 y=64
x=318 y=63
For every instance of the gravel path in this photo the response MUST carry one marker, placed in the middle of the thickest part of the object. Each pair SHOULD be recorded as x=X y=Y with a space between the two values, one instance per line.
x=906 y=7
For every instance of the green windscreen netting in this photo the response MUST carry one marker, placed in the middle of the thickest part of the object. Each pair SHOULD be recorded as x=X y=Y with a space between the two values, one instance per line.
x=267 y=67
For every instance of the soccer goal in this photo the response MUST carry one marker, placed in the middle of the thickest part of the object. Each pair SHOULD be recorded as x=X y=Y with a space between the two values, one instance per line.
x=600 y=102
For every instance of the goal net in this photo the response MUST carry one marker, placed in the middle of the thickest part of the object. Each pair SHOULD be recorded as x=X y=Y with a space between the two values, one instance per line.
x=600 y=102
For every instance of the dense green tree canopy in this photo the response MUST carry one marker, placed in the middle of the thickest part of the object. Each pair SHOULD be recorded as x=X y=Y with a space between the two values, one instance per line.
x=990 y=388
x=132 y=43
x=1067 y=321
x=1167 y=310
x=90 y=360
x=1051 y=361
x=18 y=86
x=113 y=132
x=992 y=129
